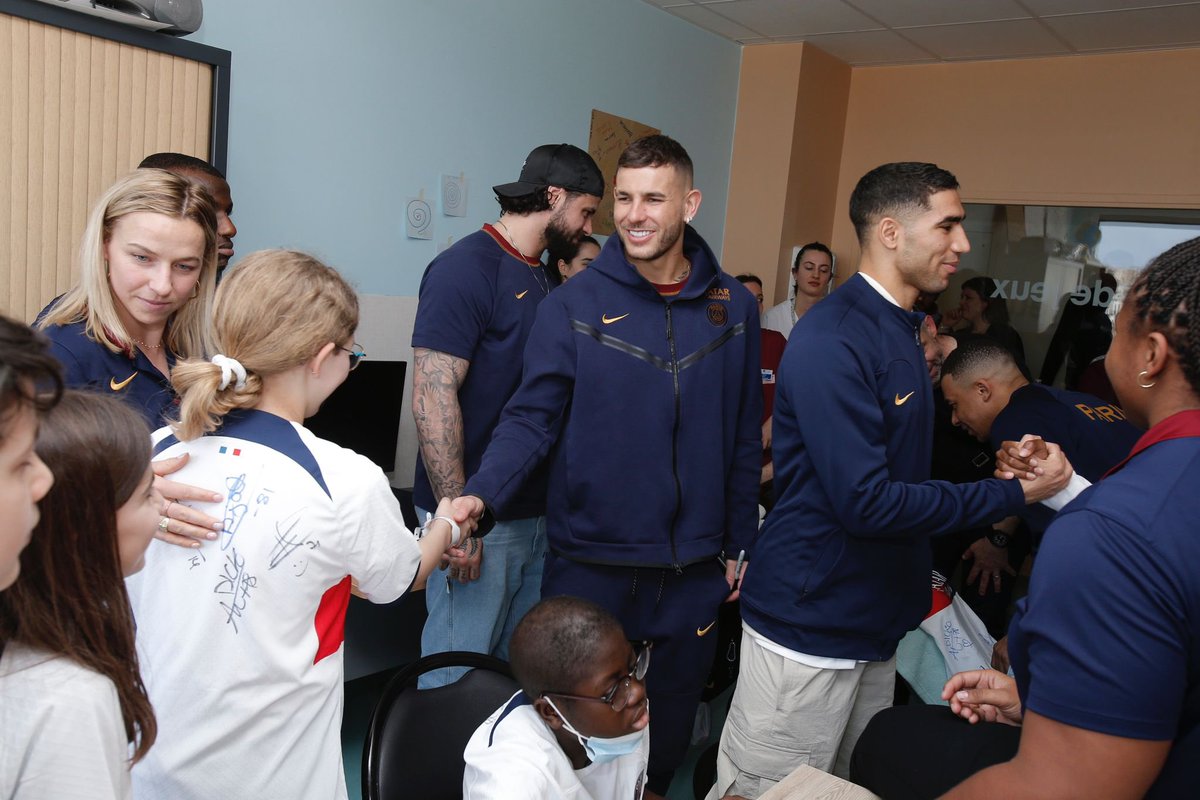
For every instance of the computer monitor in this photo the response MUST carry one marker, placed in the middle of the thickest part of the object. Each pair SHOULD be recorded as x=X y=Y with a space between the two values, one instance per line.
x=363 y=413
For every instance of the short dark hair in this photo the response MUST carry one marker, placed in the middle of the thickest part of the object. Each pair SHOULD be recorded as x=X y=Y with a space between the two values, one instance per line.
x=818 y=246
x=177 y=162
x=892 y=188
x=28 y=373
x=995 y=310
x=656 y=151
x=749 y=277
x=555 y=645
x=975 y=355
x=1167 y=296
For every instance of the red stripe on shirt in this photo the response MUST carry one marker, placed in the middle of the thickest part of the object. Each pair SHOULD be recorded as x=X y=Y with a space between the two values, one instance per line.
x=330 y=621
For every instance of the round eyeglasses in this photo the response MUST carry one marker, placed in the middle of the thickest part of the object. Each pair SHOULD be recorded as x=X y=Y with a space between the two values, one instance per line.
x=617 y=697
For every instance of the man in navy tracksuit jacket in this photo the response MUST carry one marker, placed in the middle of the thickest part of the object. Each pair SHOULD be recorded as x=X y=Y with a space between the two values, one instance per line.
x=844 y=559
x=645 y=394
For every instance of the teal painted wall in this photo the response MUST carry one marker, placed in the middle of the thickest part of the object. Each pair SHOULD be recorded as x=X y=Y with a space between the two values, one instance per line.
x=342 y=109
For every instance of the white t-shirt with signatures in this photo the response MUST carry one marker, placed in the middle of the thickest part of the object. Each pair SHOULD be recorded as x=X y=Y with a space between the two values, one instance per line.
x=241 y=639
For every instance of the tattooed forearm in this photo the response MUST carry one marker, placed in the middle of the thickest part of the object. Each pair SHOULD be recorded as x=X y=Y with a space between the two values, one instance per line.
x=436 y=381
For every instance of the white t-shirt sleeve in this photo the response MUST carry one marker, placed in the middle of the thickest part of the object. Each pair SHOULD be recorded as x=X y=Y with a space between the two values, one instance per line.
x=382 y=556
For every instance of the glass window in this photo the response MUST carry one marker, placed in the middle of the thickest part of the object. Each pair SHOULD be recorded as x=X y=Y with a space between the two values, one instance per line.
x=1049 y=280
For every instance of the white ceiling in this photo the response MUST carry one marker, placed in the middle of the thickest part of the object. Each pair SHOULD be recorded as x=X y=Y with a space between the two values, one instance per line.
x=862 y=32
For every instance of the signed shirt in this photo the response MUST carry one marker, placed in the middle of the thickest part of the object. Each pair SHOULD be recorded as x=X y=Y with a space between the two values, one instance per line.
x=241 y=638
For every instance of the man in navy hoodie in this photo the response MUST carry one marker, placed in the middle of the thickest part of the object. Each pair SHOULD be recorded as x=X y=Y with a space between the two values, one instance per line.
x=641 y=383
x=844 y=558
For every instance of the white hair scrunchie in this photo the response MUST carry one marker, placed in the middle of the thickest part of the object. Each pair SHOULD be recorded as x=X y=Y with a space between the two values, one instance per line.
x=229 y=368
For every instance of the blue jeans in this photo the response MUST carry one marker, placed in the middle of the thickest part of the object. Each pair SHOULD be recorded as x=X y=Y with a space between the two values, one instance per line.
x=480 y=616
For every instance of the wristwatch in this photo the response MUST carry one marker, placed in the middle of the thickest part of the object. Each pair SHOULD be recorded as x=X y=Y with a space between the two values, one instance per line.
x=998 y=538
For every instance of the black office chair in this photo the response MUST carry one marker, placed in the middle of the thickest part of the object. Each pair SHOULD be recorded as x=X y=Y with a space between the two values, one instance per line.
x=416 y=738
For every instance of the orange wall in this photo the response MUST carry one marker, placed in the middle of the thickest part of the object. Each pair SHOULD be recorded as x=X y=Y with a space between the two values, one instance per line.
x=786 y=151
x=1105 y=130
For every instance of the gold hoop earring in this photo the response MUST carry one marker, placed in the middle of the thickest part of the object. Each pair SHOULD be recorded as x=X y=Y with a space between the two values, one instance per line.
x=1141 y=380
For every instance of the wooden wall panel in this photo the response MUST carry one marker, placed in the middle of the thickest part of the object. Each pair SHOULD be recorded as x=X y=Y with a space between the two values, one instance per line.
x=77 y=112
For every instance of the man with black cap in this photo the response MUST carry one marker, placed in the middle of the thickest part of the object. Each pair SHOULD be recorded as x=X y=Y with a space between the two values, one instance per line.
x=476 y=307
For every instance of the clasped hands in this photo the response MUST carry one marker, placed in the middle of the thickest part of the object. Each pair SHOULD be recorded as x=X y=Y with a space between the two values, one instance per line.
x=1040 y=466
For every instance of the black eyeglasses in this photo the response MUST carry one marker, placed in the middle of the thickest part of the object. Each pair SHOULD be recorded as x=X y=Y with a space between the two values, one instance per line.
x=617 y=697
x=356 y=355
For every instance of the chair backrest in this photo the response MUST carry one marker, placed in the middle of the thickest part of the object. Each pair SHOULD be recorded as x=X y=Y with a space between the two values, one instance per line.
x=416 y=738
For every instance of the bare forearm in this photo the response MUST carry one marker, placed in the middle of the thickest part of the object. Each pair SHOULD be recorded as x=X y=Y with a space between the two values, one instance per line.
x=997 y=781
x=438 y=416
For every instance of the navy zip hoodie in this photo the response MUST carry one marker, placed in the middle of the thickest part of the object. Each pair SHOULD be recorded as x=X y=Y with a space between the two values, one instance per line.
x=650 y=410
x=844 y=559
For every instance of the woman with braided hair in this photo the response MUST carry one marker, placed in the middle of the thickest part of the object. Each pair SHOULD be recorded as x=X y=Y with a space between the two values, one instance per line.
x=1106 y=647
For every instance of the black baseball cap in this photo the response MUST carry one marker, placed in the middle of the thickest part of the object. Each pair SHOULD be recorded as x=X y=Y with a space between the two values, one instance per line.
x=562 y=165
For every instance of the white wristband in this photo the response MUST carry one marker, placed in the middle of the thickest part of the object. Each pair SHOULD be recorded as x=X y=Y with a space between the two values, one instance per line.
x=455 y=531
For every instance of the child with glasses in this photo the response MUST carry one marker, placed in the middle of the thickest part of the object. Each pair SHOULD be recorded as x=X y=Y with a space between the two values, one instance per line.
x=579 y=726
x=242 y=636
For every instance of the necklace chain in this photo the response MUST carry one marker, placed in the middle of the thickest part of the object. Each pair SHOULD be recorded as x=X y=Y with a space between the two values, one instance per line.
x=543 y=282
x=145 y=346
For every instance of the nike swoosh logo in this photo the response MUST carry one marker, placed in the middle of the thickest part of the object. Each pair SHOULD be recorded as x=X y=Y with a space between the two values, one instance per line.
x=116 y=387
x=902 y=400
x=522 y=294
x=702 y=631
x=607 y=320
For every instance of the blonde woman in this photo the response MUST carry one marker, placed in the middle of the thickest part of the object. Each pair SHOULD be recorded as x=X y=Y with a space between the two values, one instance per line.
x=147 y=273
x=242 y=639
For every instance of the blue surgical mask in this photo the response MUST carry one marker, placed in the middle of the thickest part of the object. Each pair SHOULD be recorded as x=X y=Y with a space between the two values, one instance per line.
x=600 y=749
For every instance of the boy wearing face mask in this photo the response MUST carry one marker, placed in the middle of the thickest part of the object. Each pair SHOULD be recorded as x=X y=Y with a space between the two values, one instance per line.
x=579 y=726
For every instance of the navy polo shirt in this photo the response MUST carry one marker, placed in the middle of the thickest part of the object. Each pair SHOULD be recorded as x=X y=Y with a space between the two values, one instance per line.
x=1093 y=433
x=477 y=302
x=88 y=364
x=1108 y=638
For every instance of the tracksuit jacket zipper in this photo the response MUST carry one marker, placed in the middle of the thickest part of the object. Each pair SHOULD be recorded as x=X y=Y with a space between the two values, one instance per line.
x=674 y=440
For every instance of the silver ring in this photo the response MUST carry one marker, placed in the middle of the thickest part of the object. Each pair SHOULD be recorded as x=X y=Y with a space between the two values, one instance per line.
x=163 y=522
